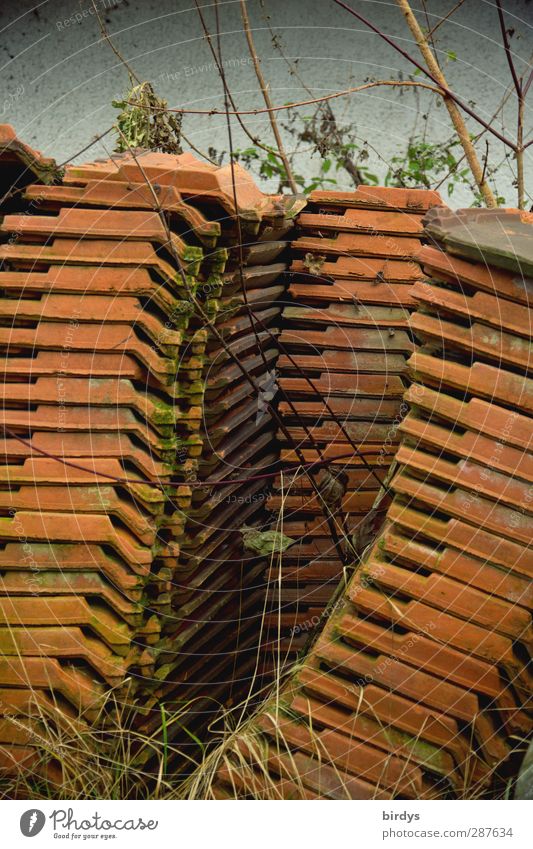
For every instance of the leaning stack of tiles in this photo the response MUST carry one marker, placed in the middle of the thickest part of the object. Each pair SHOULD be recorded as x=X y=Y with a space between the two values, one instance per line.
x=345 y=346
x=121 y=402
x=419 y=685
x=19 y=166
x=92 y=331
x=208 y=651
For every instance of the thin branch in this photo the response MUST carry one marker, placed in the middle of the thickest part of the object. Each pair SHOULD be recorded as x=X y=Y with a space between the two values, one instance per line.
x=486 y=158
x=134 y=77
x=443 y=87
x=94 y=141
x=453 y=111
x=520 y=93
x=328 y=515
x=528 y=82
x=508 y=53
x=197 y=149
x=105 y=35
x=266 y=97
x=256 y=141
x=429 y=31
x=520 y=177
x=432 y=31
x=266 y=109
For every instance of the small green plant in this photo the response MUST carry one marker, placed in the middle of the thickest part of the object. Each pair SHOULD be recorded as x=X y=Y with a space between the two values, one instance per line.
x=269 y=166
x=429 y=164
x=424 y=163
x=145 y=122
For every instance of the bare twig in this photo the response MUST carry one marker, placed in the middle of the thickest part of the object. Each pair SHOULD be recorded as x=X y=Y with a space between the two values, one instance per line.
x=266 y=97
x=453 y=110
x=442 y=86
x=135 y=78
x=507 y=48
x=105 y=35
x=293 y=70
x=325 y=97
x=452 y=11
x=520 y=94
x=93 y=141
x=520 y=180
x=256 y=141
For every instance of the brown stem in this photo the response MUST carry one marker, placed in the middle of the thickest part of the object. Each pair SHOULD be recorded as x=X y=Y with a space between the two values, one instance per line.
x=323 y=99
x=443 y=88
x=266 y=97
x=527 y=83
x=520 y=180
x=520 y=93
x=452 y=11
x=257 y=142
x=105 y=35
x=507 y=47
x=453 y=110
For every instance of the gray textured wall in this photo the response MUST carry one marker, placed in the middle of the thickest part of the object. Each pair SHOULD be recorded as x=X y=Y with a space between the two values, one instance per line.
x=58 y=78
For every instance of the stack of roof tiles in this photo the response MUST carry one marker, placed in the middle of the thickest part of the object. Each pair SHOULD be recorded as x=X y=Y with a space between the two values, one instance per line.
x=419 y=685
x=119 y=399
x=343 y=367
x=20 y=165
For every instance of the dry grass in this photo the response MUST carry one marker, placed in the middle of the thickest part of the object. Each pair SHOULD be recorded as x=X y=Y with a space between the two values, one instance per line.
x=239 y=761
x=104 y=760
x=112 y=759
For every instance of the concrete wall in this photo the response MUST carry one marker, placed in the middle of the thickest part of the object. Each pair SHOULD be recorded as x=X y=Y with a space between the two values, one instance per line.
x=59 y=78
